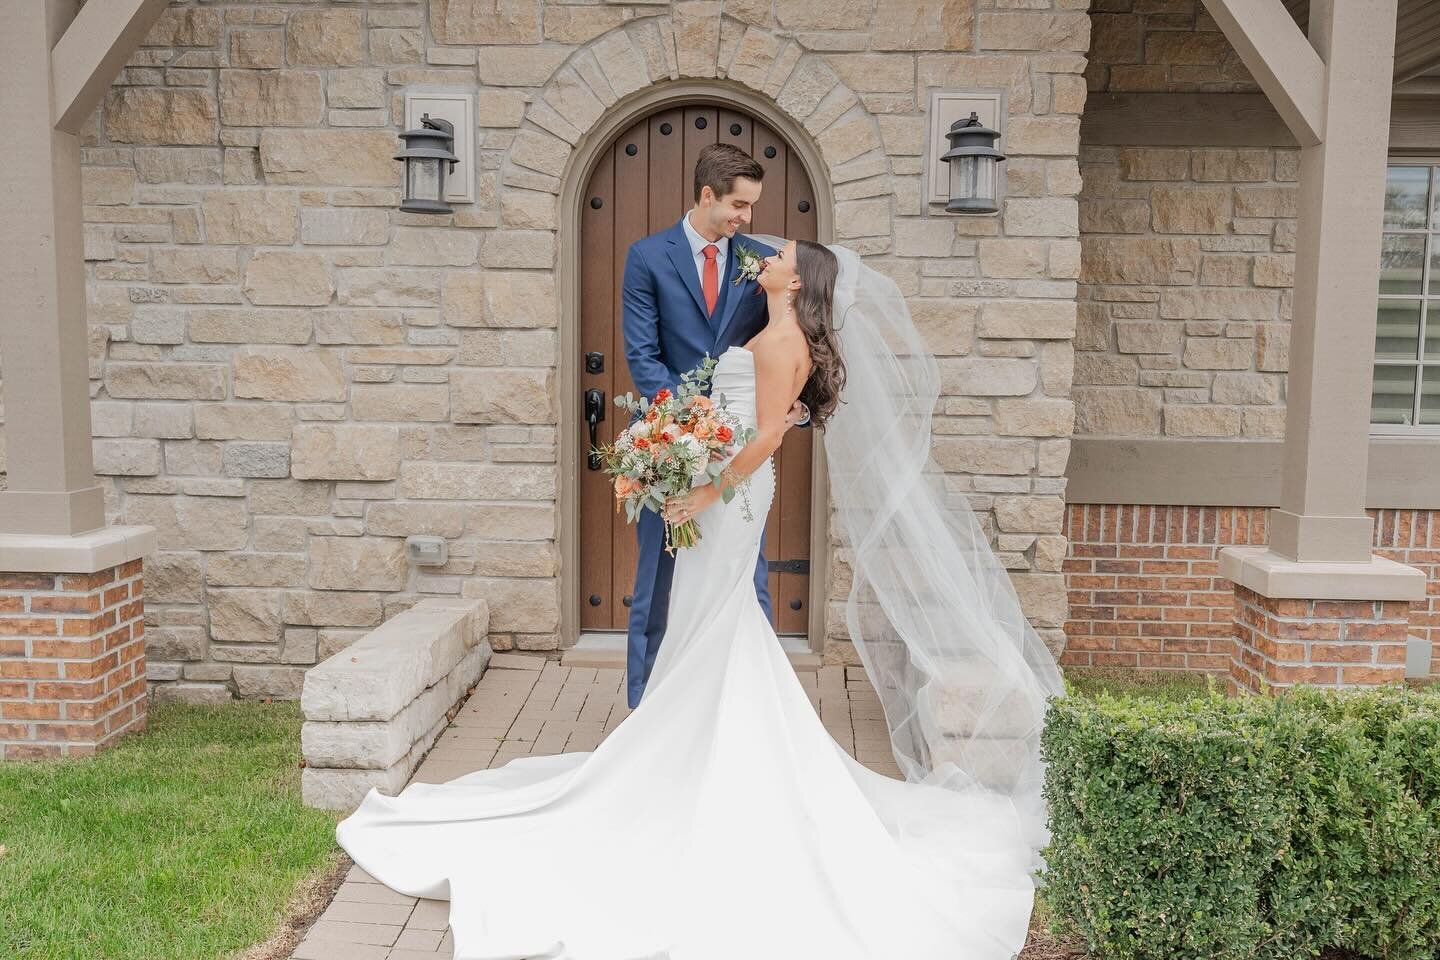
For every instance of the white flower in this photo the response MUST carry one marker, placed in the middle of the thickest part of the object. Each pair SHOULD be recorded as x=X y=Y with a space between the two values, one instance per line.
x=749 y=264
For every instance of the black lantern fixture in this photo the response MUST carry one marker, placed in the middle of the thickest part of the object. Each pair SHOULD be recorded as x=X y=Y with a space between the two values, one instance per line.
x=974 y=184
x=426 y=153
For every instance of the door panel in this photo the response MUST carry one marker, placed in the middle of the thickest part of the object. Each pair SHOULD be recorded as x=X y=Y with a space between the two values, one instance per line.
x=642 y=185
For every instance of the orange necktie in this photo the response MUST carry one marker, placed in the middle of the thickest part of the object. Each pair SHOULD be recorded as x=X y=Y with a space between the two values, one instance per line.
x=711 y=278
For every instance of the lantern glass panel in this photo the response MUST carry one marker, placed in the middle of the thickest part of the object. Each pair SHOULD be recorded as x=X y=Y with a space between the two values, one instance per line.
x=972 y=178
x=424 y=178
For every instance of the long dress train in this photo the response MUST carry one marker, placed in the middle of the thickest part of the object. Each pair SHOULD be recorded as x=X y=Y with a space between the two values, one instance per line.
x=718 y=821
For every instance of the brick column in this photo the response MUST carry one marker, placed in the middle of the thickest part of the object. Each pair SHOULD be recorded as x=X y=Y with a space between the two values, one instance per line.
x=1329 y=643
x=1322 y=624
x=72 y=643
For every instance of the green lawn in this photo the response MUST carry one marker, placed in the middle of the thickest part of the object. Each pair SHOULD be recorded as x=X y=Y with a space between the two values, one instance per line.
x=186 y=841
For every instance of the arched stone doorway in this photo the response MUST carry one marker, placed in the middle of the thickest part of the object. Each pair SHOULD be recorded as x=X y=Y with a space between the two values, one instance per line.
x=636 y=179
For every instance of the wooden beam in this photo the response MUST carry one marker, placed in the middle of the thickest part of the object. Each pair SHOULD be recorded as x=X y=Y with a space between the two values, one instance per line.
x=1280 y=58
x=95 y=46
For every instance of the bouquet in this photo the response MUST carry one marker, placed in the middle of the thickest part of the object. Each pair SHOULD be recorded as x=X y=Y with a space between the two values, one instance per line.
x=677 y=443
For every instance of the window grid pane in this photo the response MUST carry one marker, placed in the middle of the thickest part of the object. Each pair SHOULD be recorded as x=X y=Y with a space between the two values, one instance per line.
x=1407 y=344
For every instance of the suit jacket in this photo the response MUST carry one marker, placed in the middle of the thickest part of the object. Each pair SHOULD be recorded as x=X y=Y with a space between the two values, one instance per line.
x=667 y=331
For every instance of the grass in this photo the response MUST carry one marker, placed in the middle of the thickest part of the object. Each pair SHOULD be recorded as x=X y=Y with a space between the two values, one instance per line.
x=187 y=841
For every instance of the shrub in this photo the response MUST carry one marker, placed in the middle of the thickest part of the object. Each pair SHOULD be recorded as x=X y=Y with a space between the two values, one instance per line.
x=1249 y=827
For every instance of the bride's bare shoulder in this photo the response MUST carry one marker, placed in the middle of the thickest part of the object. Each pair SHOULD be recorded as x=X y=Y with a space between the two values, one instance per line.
x=786 y=345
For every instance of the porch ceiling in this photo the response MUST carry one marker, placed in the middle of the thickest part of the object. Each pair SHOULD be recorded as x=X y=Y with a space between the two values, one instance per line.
x=1417 y=36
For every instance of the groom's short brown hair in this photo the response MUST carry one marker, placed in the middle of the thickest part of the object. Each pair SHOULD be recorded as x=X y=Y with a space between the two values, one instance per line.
x=718 y=166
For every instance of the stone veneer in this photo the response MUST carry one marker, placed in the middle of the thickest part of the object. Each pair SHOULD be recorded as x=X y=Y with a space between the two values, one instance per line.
x=290 y=376
x=72 y=661
x=1145 y=588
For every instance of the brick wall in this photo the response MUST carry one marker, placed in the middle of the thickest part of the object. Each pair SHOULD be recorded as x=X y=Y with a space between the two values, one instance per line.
x=72 y=661
x=1145 y=589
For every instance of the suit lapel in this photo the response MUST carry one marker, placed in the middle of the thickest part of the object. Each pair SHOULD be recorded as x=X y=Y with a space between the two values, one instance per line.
x=684 y=261
x=733 y=292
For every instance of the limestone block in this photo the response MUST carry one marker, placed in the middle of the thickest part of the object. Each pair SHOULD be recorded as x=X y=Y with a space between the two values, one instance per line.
x=1275 y=270
x=809 y=15
x=326 y=608
x=185 y=28
x=697 y=36
x=1116 y=411
x=244 y=616
x=163 y=420
x=359 y=326
x=502 y=396
x=1245 y=388
x=275 y=681
x=249 y=216
x=622 y=64
x=518 y=606
x=528 y=210
x=947 y=326
x=258 y=49
x=353 y=158
x=195 y=265
x=399 y=519
x=379 y=675
x=984 y=455
x=512 y=521
x=285 y=277
x=164 y=381
x=537 y=150
x=428 y=480
x=255 y=570
x=242 y=421
x=106 y=186
x=1190 y=210
x=579 y=25
x=1029 y=514
x=988 y=377
x=329 y=451
x=1272 y=347
x=1011 y=258
x=1201 y=420
x=1035 y=418
x=325 y=38
x=192 y=523
x=520 y=66
x=389 y=287
x=248 y=325
x=399 y=46
x=1044 y=136
x=812 y=80
x=271 y=98
x=532 y=249
x=1029 y=319
x=1143 y=336
x=485 y=21
x=128 y=458
x=160 y=115
x=174 y=643
x=1042 y=217
x=1232 y=165
x=246 y=458
x=344 y=226
x=1122 y=260
x=358 y=563
x=1026 y=30
x=407 y=403
x=1154 y=163
x=1266 y=201
x=923 y=25
x=433 y=247
x=924 y=238
x=282 y=373
x=356 y=89
x=174 y=578
x=518 y=299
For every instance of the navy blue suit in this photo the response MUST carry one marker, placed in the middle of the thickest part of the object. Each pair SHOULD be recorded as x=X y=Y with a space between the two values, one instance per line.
x=667 y=332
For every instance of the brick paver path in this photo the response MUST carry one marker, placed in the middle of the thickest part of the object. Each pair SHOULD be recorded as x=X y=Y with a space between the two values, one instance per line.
x=531 y=706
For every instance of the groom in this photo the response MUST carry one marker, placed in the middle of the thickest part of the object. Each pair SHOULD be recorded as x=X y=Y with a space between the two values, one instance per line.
x=679 y=303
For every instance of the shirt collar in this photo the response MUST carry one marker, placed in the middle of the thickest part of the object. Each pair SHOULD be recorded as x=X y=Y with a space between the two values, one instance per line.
x=697 y=242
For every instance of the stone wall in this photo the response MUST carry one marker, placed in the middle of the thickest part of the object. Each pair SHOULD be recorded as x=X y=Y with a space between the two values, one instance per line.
x=290 y=376
x=1188 y=252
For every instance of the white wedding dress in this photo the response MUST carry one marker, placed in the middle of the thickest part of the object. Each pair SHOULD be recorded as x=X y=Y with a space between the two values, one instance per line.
x=718 y=821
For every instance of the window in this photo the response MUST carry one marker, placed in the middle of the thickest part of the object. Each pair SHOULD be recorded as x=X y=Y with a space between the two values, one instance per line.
x=1406 y=394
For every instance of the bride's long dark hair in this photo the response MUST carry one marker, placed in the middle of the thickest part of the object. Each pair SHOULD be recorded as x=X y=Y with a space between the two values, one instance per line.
x=817 y=268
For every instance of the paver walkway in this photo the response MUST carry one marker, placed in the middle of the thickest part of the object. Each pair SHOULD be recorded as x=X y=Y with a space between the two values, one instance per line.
x=531 y=706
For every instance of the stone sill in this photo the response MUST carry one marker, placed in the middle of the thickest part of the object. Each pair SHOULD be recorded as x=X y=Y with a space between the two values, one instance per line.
x=1280 y=578
x=373 y=709
x=78 y=553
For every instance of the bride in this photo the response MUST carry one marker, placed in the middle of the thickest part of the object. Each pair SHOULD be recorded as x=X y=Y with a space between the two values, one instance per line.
x=720 y=820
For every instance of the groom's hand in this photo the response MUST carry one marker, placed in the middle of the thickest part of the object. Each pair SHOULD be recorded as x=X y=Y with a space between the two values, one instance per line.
x=799 y=413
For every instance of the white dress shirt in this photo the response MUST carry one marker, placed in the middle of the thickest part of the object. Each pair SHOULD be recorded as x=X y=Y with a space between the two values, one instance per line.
x=697 y=250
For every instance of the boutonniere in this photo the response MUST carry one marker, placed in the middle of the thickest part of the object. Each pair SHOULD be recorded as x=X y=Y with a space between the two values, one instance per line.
x=748 y=265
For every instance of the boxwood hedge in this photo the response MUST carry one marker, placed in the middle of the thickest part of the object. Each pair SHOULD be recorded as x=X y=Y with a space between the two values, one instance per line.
x=1249 y=827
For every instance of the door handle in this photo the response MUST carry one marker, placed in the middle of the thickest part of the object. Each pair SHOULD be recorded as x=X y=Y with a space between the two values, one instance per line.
x=594 y=414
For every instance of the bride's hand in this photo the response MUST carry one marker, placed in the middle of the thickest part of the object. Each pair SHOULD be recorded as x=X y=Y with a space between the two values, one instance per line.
x=799 y=413
x=680 y=509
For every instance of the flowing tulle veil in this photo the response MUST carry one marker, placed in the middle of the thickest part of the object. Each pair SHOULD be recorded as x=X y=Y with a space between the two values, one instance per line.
x=962 y=676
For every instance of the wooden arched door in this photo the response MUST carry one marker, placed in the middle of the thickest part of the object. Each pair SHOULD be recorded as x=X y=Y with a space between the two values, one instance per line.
x=643 y=184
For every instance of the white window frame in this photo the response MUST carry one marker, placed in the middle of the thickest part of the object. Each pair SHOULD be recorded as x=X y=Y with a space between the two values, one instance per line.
x=1427 y=302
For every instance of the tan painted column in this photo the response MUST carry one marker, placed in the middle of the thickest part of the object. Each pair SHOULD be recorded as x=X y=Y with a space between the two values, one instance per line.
x=1337 y=259
x=43 y=339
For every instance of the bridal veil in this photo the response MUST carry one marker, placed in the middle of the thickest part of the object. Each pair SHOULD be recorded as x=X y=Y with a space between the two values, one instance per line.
x=962 y=676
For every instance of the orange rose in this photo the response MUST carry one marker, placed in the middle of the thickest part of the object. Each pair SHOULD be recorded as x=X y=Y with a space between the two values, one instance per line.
x=624 y=486
x=701 y=402
x=701 y=429
x=724 y=434
x=662 y=395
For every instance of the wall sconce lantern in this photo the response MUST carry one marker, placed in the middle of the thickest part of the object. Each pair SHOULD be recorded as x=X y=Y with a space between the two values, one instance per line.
x=972 y=157
x=428 y=159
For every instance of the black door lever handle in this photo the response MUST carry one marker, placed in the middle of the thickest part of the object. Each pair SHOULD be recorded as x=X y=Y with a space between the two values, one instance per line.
x=594 y=414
